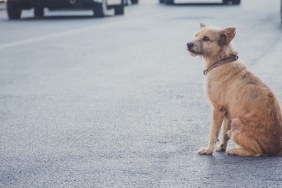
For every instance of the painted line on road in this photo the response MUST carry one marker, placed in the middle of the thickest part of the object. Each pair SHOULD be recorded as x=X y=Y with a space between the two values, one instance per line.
x=56 y=35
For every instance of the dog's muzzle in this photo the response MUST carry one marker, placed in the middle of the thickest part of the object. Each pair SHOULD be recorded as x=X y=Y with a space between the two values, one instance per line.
x=190 y=45
x=194 y=48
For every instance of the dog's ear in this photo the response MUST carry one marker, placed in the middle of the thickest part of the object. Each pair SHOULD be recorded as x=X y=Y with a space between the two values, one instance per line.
x=202 y=25
x=227 y=35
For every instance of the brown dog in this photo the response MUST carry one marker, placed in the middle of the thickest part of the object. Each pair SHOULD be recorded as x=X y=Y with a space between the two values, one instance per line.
x=248 y=108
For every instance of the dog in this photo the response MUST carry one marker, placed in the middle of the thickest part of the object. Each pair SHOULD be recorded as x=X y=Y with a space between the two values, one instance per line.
x=247 y=108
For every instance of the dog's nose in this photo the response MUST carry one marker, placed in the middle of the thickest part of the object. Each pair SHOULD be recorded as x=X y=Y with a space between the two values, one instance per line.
x=190 y=45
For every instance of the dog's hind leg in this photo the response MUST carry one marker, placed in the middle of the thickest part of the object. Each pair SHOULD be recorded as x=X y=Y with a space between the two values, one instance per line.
x=225 y=137
x=248 y=145
x=243 y=152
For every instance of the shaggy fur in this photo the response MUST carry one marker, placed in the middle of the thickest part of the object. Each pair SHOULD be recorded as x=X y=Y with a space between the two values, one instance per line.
x=247 y=108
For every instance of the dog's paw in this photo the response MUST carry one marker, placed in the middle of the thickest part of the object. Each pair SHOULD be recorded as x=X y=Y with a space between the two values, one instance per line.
x=205 y=151
x=220 y=148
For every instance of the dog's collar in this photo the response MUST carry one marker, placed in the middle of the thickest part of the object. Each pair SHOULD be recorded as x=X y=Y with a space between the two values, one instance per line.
x=221 y=62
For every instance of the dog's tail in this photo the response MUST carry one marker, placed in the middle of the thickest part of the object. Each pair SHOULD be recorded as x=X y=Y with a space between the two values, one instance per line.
x=279 y=154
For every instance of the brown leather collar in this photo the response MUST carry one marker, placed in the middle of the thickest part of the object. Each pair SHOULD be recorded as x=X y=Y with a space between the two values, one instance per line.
x=221 y=62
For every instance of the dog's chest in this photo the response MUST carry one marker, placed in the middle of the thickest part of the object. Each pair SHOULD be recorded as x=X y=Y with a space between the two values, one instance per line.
x=215 y=90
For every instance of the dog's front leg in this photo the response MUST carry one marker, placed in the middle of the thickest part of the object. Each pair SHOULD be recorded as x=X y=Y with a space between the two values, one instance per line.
x=225 y=138
x=218 y=115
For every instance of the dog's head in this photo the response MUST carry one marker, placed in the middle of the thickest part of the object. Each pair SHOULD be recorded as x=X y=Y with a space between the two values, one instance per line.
x=211 y=41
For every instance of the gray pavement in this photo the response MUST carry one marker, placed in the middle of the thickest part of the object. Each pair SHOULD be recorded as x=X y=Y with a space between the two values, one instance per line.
x=118 y=102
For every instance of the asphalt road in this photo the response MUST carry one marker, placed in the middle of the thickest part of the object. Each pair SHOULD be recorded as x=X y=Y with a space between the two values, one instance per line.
x=118 y=102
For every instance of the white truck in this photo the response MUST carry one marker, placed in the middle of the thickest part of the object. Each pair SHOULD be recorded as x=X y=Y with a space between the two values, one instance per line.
x=99 y=7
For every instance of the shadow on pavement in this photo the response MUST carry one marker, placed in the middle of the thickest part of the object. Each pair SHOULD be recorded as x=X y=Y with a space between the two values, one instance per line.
x=200 y=4
x=62 y=17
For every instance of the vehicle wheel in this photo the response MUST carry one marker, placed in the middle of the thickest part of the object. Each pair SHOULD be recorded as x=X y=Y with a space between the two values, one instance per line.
x=134 y=1
x=227 y=2
x=119 y=10
x=99 y=9
x=161 y=1
x=236 y=2
x=281 y=11
x=14 y=9
x=38 y=12
x=169 y=2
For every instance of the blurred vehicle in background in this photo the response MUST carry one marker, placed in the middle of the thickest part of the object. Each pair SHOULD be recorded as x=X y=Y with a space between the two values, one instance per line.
x=99 y=7
x=170 y=2
x=2 y=5
x=133 y=2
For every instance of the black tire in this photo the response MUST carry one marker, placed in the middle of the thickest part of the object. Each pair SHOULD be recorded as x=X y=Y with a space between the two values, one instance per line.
x=99 y=11
x=125 y=2
x=226 y=2
x=119 y=10
x=281 y=11
x=236 y=2
x=134 y=1
x=38 y=12
x=169 y=2
x=14 y=9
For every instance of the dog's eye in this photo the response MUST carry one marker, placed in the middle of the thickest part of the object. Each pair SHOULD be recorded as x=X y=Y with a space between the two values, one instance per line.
x=206 y=38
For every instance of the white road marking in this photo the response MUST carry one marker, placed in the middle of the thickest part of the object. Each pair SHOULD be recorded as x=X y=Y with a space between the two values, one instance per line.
x=55 y=35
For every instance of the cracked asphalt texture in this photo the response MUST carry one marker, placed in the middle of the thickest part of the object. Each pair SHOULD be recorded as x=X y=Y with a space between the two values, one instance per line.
x=118 y=102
